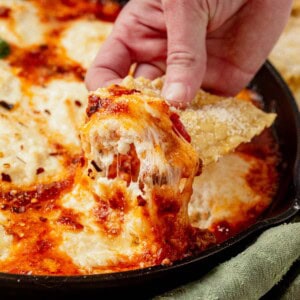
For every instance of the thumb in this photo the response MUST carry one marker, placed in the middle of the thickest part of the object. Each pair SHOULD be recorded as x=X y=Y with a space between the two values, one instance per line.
x=186 y=23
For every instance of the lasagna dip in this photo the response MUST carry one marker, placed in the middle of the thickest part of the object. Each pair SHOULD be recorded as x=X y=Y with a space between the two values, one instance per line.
x=116 y=179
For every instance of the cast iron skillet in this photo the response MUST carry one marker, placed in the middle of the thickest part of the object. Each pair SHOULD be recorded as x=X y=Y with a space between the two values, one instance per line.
x=146 y=282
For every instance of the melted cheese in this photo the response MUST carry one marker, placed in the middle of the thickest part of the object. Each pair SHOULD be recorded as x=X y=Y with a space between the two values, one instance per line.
x=10 y=85
x=218 y=189
x=23 y=27
x=5 y=243
x=97 y=246
x=57 y=103
x=224 y=193
x=113 y=131
x=6 y=240
x=25 y=149
x=83 y=38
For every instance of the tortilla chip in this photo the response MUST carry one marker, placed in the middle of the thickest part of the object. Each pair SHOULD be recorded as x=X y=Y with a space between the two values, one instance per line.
x=296 y=8
x=217 y=125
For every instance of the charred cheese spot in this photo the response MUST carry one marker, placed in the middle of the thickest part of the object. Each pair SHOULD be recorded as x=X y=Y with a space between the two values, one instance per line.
x=70 y=219
x=4 y=11
x=108 y=105
x=109 y=212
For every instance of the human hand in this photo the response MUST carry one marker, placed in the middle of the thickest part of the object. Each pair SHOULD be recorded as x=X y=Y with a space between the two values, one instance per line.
x=218 y=45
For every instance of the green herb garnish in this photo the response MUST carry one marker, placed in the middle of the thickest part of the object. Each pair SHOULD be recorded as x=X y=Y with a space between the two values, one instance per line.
x=4 y=48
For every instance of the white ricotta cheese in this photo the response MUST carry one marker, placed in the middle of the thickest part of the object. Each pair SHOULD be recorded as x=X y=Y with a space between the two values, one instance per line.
x=5 y=243
x=222 y=192
x=56 y=102
x=24 y=27
x=10 y=85
x=83 y=38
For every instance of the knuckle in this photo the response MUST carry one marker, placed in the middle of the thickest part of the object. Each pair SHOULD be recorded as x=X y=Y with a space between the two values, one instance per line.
x=182 y=58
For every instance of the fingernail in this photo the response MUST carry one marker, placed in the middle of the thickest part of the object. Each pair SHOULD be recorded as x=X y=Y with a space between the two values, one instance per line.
x=175 y=92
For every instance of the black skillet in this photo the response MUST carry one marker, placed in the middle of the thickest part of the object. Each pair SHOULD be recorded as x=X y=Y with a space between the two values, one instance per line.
x=147 y=282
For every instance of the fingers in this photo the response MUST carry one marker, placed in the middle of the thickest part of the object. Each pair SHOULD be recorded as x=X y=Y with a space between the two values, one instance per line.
x=150 y=70
x=238 y=49
x=110 y=65
x=186 y=23
x=136 y=38
x=225 y=78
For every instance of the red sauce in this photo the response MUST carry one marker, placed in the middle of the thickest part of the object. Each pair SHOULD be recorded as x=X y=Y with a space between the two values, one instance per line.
x=118 y=201
x=224 y=230
x=171 y=232
x=95 y=103
x=65 y=10
x=4 y=12
x=200 y=239
x=110 y=212
x=102 y=211
x=166 y=205
x=28 y=212
x=5 y=177
x=118 y=108
x=141 y=201
x=37 y=251
x=118 y=91
x=179 y=128
x=40 y=170
x=265 y=149
x=78 y=103
x=125 y=166
x=70 y=219
x=42 y=63
x=19 y=201
x=109 y=105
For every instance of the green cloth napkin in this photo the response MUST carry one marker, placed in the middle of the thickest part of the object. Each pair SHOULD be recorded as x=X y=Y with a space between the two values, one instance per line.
x=252 y=273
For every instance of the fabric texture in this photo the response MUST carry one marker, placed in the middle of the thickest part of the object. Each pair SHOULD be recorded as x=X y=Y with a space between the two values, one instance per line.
x=293 y=291
x=252 y=273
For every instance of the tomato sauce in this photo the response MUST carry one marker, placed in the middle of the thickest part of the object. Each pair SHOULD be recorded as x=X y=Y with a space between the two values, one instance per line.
x=66 y=10
x=179 y=128
x=125 y=166
x=96 y=103
x=39 y=64
x=4 y=12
